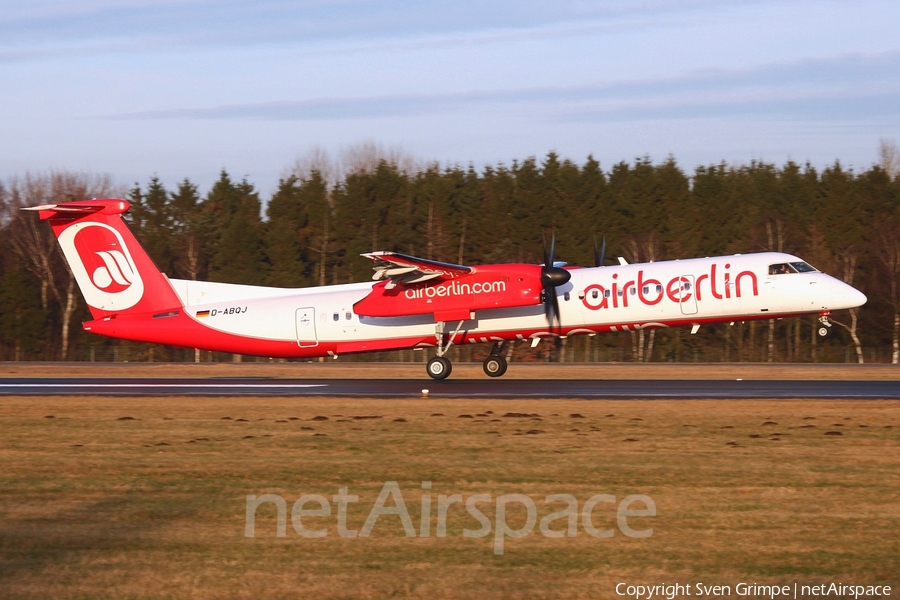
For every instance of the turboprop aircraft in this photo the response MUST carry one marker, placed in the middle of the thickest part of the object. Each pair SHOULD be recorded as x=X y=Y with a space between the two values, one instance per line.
x=419 y=303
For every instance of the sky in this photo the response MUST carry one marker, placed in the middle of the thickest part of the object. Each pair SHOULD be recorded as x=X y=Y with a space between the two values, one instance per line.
x=185 y=88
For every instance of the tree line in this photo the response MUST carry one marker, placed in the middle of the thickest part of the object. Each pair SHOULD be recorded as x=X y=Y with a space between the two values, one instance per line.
x=313 y=228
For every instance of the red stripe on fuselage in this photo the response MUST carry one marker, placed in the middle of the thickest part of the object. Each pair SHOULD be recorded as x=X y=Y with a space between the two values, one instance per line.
x=183 y=331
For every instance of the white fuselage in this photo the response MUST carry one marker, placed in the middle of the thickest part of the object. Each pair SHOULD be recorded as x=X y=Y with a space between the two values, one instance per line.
x=612 y=298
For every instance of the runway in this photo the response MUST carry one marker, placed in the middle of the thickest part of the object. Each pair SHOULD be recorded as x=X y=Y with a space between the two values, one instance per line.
x=644 y=389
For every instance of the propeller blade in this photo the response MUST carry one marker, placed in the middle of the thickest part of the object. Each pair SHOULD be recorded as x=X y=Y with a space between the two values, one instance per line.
x=551 y=307
x=544 y=248
x=599 y=255
x=551 y=277
x=548 y=308
x=555 y=301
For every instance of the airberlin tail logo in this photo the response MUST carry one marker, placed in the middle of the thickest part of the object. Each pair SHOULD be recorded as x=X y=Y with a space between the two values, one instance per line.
x=102 y=265
x=115 y=274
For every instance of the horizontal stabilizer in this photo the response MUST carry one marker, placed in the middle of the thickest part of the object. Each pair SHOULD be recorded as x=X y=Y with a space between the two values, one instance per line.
x=74 y=210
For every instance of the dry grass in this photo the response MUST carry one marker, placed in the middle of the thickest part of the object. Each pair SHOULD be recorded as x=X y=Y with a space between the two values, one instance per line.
x=343 y=370
x=94 y=506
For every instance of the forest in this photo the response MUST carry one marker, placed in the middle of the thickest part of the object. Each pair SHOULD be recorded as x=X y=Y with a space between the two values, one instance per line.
x=313 y=228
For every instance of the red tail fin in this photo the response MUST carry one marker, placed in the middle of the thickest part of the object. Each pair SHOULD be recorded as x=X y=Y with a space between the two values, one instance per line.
x=112 y=269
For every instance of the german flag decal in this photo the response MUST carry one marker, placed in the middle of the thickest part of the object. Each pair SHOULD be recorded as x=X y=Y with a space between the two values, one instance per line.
x=202 y=313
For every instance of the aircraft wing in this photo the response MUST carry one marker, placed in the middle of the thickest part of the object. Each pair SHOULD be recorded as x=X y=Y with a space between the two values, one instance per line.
x=410 y=269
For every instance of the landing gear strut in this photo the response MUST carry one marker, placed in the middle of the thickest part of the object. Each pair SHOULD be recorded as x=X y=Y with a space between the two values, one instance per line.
x=824 y=329
x=440 y=367
x=495 y=365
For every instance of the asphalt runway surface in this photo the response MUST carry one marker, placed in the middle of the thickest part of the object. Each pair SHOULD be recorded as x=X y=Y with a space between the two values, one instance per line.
x=645 y=389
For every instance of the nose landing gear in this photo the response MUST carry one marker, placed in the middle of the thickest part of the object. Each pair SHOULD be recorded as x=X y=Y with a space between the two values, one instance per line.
x=824 y=329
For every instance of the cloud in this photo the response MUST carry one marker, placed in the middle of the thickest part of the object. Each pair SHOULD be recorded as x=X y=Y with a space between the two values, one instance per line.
x=42 y=29
x=844 y=87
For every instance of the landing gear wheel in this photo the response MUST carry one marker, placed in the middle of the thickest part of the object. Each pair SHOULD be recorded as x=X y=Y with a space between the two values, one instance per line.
x=823 y=331
x=439 y=368
x=494 y=366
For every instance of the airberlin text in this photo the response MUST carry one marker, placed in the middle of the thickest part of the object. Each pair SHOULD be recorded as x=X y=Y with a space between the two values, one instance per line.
x=680 y=289
x=454 y=288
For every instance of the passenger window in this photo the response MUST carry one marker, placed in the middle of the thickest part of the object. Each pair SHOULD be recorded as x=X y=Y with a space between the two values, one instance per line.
x=606 y=294
x=646 y=289
x=659 y=289
x=595 y=294
x=619 y=293
x=633 y=291
x=337 y=317
x=566 y=296
x=687 y=286
x=348 y=315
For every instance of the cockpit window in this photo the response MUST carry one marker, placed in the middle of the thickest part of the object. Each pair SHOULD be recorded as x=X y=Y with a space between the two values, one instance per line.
x=794 y=267
x=781 y=269
x=803 y=267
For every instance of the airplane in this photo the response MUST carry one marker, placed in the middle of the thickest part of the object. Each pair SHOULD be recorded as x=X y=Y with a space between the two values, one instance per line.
x=419 y=303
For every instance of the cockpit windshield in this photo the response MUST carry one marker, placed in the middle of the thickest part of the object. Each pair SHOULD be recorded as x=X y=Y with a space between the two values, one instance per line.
x=803 y=267
x=794 y=267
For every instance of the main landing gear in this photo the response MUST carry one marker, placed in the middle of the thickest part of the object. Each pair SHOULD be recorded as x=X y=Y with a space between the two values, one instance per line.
x=440 y=367
x=495 y=365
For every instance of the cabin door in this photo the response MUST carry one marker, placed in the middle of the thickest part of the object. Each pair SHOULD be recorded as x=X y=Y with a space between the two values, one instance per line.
x=686 y=295
x=306 y=327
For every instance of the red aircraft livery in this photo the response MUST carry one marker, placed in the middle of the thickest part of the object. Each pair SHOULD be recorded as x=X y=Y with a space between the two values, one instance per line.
x=419 y=303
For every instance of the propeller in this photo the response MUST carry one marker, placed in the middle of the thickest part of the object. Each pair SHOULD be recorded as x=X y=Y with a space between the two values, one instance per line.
x=599 y=257
x=551 y=278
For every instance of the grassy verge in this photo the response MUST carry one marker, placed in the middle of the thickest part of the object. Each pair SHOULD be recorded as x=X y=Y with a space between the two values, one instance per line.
x=145 y=498
x=344 y=370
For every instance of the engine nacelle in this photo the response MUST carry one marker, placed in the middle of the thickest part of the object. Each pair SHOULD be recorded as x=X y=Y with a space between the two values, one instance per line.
x=487 y=287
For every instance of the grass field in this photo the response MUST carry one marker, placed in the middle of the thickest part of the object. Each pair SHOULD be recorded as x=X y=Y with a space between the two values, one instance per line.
x=146 y=497
x=336 y=369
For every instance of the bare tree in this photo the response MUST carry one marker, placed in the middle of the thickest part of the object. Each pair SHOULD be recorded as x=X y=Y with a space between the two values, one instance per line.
x=34 y=243
x=361 y=158
x=643 y=248
x=888 y=253
x=847 y=259
x=889 y=157
x=365 y=158
x=775 y=237
x=316 y=160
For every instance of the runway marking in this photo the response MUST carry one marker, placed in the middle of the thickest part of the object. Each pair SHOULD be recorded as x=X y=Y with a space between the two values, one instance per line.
x=585 y=389
x=166 y=385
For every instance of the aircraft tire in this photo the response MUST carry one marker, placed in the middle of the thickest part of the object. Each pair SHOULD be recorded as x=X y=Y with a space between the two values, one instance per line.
x=494 y=366
x=823 y=331
x=439 y=368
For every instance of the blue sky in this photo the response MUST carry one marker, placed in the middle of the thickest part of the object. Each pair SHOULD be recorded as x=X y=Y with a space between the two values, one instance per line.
x=184 y=88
